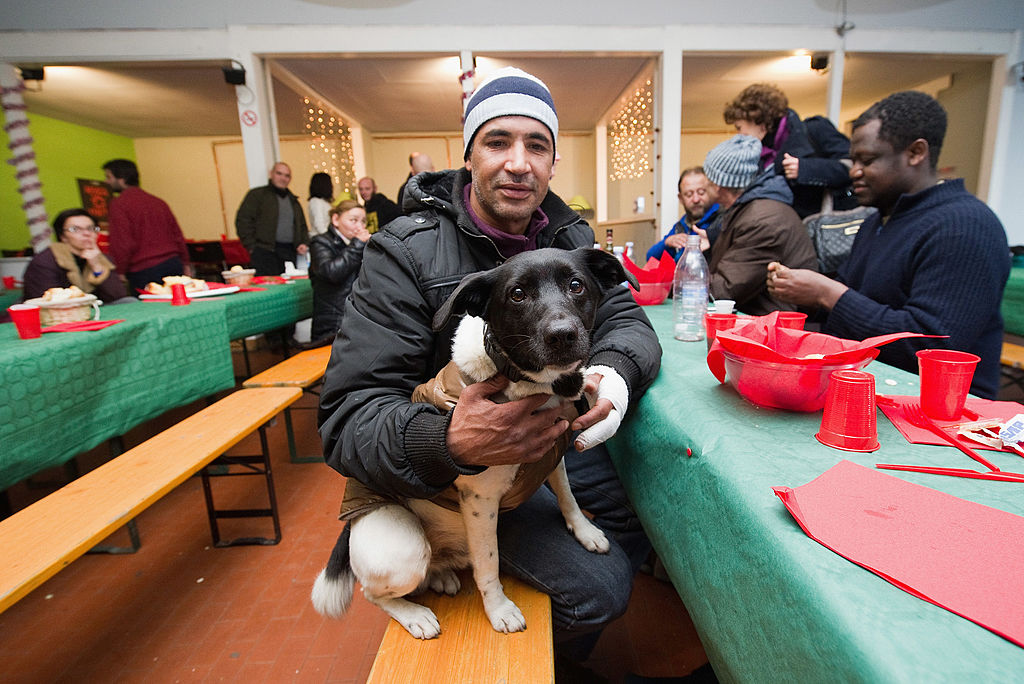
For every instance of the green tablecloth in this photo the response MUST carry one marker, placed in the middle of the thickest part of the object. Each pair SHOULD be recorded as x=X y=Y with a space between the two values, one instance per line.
x=250 y=313
x=8 y=297
x=1013 y=303
x=771 y=604
x=65 y=393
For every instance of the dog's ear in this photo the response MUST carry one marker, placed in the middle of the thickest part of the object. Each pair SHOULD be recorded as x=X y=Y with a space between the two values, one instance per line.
x=469 y=297
x=608 y=270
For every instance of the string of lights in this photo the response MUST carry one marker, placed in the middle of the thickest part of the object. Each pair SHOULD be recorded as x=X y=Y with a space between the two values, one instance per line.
x=330 y=144
x=630 y=136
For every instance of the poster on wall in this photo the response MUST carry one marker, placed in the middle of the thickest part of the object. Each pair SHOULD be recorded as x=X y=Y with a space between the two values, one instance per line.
x=96 y=196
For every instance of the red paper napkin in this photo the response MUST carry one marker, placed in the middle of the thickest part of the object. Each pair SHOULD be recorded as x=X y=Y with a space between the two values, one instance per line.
x=247 y=288
x=1003 y=410
x=959 y=555
x=760 y=338
x=269 y=280
x=654 y=271
x=81 y=326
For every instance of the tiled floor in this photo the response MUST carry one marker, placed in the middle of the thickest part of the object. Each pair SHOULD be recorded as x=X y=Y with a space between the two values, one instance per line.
x=182 y=611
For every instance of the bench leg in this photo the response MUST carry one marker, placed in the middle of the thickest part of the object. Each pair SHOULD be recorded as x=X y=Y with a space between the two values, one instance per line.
x=250 y=466
x=292 y=453
x=133 y=536
x=115 y=447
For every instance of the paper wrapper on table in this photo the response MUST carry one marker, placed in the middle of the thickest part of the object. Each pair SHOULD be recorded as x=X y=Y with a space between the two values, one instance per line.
x=787 y=368
x=655 y=278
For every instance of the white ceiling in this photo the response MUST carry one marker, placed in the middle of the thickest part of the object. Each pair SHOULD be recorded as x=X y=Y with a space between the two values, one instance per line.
x=416 y=94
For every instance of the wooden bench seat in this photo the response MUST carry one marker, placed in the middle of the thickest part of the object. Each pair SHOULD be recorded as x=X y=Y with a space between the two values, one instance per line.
x=41 y=539
x=468 y=649
x=305 y=370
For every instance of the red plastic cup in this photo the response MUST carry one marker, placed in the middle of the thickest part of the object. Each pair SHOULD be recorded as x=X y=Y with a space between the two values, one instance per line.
x=713 y=322
x=9 y=282
x=848 y=422
x=792 y=319
x=178 y=296
x=26 y=320
x=945 y=380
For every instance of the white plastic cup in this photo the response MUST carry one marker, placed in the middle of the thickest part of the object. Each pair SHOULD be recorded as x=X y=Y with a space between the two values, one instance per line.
x=723 y=306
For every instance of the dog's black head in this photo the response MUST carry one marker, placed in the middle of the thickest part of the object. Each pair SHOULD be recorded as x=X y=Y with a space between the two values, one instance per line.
x=540 y=305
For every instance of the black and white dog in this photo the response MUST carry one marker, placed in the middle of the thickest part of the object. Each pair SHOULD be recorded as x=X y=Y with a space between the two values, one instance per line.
x=530 y=319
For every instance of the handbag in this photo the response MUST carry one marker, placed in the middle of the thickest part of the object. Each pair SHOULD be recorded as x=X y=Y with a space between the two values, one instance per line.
x=832 y=234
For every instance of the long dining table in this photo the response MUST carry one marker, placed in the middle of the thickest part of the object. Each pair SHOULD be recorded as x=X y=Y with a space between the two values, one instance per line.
x=65 y=393
x=769 y=603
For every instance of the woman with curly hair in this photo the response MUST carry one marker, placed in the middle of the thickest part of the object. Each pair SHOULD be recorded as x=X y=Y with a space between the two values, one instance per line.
x=811 y=154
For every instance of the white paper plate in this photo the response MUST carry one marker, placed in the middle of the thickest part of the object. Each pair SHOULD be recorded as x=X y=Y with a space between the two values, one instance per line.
x=214 y=291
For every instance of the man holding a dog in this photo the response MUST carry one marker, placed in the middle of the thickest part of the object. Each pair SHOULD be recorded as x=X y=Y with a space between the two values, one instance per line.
x=469 y=220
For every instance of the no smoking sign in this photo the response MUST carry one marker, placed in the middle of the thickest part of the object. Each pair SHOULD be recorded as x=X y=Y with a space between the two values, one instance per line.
x=249 y=117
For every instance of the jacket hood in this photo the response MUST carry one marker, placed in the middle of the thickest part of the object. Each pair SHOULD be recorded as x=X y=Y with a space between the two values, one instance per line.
x=767 y=185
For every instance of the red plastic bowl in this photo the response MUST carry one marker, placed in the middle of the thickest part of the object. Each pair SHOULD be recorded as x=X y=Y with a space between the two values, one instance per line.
x=651 y=293
x=794 y=387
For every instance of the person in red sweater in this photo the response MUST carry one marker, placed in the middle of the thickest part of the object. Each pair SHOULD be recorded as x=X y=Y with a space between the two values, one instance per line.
x=146 y=242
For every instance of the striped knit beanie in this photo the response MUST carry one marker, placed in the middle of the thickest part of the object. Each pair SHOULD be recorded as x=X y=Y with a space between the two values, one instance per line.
x=734 y=163
x=509 y=92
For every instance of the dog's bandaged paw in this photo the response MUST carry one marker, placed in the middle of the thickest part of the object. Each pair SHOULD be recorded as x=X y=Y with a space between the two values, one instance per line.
x=613 y=388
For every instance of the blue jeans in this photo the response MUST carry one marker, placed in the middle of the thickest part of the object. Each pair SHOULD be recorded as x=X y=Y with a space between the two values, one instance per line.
x=587 y=590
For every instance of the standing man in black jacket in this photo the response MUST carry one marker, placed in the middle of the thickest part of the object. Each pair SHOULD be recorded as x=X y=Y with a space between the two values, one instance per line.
x=469 y=220
x=271 y=225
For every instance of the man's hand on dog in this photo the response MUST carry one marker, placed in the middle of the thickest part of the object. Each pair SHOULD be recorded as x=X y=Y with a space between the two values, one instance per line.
x=485 y=433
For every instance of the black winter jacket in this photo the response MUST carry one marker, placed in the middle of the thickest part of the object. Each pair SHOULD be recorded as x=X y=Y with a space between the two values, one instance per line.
x=819 y=147
x=371 y=430
x=333 y=267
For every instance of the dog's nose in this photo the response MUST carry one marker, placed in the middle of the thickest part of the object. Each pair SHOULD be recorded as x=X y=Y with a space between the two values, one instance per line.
x=561 y=336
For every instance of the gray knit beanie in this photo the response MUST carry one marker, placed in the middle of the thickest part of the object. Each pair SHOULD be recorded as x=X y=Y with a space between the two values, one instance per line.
x=734 y=163
x=509 y=92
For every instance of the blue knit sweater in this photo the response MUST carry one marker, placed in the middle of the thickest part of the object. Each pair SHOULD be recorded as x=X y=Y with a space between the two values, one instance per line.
x=938 y=266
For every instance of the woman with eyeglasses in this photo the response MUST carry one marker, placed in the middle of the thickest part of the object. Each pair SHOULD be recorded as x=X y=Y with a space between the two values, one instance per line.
x=74 y=260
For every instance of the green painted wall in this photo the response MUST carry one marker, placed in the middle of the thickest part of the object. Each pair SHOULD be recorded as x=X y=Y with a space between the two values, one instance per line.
x=64 y=153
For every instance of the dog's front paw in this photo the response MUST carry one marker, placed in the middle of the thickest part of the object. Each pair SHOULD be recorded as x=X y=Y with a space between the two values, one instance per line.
x=590 y=536
x=506 y=617
x=444 y=581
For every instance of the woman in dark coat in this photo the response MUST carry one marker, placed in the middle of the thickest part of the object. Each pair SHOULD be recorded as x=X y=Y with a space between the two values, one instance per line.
x=811 y=154
x=335 y=258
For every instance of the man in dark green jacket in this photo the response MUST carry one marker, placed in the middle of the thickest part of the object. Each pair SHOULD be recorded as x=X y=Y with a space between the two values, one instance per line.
x=271 y=225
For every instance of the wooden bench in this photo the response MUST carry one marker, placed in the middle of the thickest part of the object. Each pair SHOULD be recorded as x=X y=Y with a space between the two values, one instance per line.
x=468 y=649
x=305 y=370
x=44 y=537
x=1012 y=359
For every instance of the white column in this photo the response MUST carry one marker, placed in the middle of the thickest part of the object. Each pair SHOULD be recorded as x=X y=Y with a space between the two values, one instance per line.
x=601 y=165
x=837 y=68
x=1004 y=145
x=670 y=113
x=256 y=119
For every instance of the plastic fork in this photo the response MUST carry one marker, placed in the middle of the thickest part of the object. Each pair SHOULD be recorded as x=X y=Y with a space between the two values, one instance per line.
x=916 y=417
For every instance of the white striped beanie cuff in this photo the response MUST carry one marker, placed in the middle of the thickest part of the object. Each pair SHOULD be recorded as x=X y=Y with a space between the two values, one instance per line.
x=734 y=163
x=509 y=92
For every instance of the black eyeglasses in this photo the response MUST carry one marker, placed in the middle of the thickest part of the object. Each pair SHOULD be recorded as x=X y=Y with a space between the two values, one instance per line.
x=82 y=229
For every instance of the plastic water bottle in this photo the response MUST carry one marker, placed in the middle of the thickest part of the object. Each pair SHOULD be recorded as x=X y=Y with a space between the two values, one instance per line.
x=690 y=292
